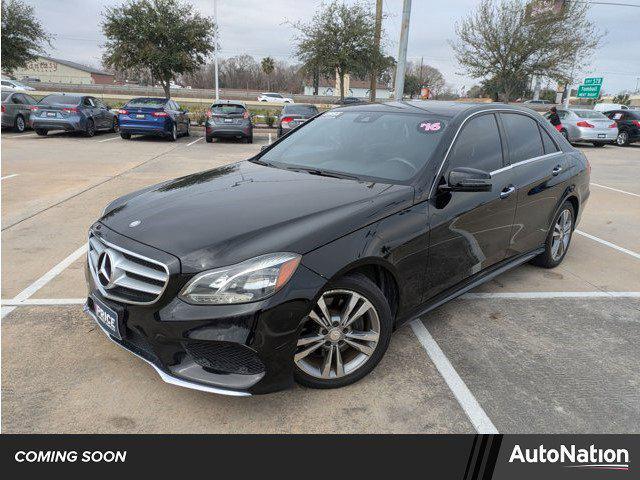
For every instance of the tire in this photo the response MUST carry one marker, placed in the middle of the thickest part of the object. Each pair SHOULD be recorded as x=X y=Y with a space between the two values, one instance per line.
x=125 y=136
x=90 y=129
x=173 y=136
x=42 y=132
x=316 y=343
x=209 y=139
x=623 y=139
x=114 y=125
x=549 y=259
x=20 y=125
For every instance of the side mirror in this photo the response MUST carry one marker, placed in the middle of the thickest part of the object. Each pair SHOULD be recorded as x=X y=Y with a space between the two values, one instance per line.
x=464 y=179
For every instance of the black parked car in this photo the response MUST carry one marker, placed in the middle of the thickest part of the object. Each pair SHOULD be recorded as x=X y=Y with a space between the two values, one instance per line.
x=294 y=115
x=228 y=119
x=300 y=262
x=628 y=125
x=72 y=113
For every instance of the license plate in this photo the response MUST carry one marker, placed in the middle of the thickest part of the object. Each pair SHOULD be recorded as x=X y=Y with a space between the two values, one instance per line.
x=602 y=135
x=228 y=120
x=140 y=115
x=51 y=114
x=107 y=317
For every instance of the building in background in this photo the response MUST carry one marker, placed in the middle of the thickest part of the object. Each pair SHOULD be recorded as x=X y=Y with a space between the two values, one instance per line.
x=352 y=88
x=55 y=70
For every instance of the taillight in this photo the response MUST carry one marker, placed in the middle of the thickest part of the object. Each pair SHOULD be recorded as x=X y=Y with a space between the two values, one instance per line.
x=209 y=113
x=613 y=125
x=33 y=109
x=160 y=114
x=246 y=114
x=70 y=110
x=287 y=119
x=584 y=124
x=123 y=112
x=636 y=122
x=3 y=109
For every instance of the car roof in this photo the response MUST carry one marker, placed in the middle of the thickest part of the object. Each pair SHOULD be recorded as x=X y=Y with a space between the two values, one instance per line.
x=290 y=105
x=229 y=102
x=159 y=99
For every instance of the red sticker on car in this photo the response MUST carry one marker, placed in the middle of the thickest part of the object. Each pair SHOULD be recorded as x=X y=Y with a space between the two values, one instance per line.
x=431 y=126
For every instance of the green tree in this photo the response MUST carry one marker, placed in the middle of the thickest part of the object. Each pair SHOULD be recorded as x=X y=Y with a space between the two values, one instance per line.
x=412 y=85
x=268 y=66
x=506 y=42
x=165 y=37
x=23 y=37
x=339 y=39
x=622 y=98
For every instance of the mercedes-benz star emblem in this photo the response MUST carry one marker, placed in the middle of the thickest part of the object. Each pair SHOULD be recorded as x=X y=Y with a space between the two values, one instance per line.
x=135 y=223
x=105 y=269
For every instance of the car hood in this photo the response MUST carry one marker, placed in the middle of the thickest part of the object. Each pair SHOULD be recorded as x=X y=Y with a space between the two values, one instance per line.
x=223 y=216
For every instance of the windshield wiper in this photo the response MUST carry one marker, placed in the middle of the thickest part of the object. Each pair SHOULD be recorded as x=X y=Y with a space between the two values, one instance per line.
x=323 y=173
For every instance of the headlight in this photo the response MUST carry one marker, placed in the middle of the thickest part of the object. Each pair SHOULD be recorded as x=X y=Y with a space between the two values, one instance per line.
x=249 y=281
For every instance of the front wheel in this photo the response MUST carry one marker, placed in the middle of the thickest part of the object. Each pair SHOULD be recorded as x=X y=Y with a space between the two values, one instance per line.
x=345 y=334
x=623 y=139
x=558 y=238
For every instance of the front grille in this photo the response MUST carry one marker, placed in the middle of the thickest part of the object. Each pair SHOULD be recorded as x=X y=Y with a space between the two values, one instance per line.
x=224 y=357
x=125 y=276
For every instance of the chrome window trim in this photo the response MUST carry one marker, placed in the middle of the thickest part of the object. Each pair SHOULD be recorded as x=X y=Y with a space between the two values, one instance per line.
x=524 y=162
x=99 y=286
x=455 y=137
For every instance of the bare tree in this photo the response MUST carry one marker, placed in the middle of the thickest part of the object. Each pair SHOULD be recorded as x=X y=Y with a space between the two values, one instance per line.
x=505 y=43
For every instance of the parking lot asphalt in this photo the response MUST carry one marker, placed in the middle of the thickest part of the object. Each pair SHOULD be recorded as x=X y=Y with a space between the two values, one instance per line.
x=533 y=350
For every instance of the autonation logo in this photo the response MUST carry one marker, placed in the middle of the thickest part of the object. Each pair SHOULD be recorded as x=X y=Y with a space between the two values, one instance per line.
x=590 y=458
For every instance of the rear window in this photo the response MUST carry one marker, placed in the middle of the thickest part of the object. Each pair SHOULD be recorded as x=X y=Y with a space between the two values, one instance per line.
x=5 y=95
x=146 y=103
x=60 y=100
x=589 y=114
x=227 y=109
x=307 y=110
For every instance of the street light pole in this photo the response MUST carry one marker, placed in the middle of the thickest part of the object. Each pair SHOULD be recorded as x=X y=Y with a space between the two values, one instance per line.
x=215 y=48
x=402 y=53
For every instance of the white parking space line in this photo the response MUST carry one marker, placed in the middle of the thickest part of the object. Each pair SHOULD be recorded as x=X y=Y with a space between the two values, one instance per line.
x=43 y=280
x=196 y=140
x=609 y=244
x=614 y=189
x=47 y=302
x=534 y=295
x=9 y=176
x=21 y=135
x=108 y=139
x=476 y=414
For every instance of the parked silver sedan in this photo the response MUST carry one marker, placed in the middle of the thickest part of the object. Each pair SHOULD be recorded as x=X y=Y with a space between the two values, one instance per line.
x=16 y=108
x=588 y=126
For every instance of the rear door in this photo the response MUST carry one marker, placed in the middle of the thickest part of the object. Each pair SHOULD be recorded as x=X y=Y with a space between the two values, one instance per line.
x=540 y=173
x=470 y=231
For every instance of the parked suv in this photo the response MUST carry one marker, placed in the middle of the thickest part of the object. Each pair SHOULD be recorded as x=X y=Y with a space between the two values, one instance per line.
x=16 y=109
x=300 y=262
x=293 y=116
x=628 y=122
x=228 y=119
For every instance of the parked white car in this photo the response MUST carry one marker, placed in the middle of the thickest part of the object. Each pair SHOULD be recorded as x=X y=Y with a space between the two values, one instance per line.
x=15 y=85
x=274 y=97
x=606 y=107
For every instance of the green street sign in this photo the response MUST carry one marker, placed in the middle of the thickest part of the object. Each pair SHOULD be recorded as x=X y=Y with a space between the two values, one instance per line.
x=589 y=91
x=593 y=81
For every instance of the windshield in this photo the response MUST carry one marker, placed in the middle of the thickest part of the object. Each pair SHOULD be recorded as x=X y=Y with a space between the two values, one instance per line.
x=227 y=109
x=307 y=110
x=590 y=114
x=391 y=147
x=60 y=100
x=146 y=103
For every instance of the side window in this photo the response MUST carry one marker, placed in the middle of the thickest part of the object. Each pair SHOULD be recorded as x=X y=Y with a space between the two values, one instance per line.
x=478 y=145
x=176 y=107
x=18 y=99
x=87 y=102
x=547 y=141
x=523 y=137
x=30 y=100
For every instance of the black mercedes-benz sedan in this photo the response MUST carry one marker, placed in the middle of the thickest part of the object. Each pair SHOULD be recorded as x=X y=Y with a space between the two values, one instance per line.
x=298 y=263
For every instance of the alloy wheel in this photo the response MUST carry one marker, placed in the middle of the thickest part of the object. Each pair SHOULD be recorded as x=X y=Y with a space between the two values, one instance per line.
x=561 y=234
x=91 y=129
x=20 y=124
x=622 y=138
x=339 y=335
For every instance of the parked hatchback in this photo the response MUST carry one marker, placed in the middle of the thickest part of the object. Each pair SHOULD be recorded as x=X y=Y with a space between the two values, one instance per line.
x=293 y=116
x=16 y=109
x=228 y=119
x=72 y=113
x=587 y=126
x=628 y=122
x=161 y=117
x=300 y=262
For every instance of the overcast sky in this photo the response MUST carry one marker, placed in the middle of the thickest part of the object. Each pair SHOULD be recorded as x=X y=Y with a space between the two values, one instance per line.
x=257 y=27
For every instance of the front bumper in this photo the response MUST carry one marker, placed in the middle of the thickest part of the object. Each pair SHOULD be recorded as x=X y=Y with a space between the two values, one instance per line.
x=228 y=349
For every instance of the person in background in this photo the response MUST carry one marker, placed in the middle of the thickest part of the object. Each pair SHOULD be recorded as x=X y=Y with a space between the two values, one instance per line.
x=554 y=118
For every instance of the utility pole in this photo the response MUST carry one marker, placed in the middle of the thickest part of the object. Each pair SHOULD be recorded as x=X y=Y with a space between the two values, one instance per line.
x=402 y=53
x=215 y=49
x=376 y=41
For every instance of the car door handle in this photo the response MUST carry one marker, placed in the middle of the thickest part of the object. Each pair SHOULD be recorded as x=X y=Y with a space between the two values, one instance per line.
x=507 y=191
x=557 y=169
